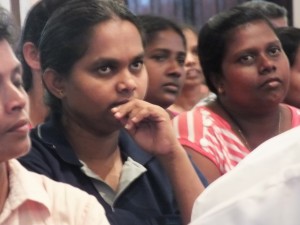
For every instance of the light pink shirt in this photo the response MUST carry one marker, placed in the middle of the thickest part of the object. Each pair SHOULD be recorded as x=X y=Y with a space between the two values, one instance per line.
x=35 y=199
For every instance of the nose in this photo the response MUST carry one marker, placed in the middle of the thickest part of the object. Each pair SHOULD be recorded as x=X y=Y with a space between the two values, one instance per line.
x=267 y=65
x=126 y=83
x=175 y=69
x=190 y=60
x=15 y=99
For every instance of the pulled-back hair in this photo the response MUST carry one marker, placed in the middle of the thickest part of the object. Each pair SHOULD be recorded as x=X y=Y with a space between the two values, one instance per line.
x=67 y=33
x=214 y=35
x=34 y=24
x=269 y=9
x=152 y=25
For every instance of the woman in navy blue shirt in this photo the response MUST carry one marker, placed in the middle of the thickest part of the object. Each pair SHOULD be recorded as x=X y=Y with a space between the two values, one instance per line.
x=101 y=136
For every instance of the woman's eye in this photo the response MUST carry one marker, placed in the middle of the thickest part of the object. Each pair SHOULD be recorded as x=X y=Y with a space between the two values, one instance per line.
x=137 y=65
x=104 y=69
x=18 y=81
x=246 y=59
x=274 y=51
x=181 y=60
x=159 y=58
x=195 y=51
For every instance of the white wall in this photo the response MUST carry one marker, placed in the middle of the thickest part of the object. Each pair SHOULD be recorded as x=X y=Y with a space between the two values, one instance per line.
x=24 y=7
x=296 y=13
x=5 y=4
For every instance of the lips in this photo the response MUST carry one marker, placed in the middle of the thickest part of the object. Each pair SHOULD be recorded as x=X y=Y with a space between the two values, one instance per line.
x=191 y=73
x=20 y=126
x=271 y=82
x=171 y=87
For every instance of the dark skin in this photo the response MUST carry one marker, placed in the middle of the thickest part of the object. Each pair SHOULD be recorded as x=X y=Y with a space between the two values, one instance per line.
x=253 y=82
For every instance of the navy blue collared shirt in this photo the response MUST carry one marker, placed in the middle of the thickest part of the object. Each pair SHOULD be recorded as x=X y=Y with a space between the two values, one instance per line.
x=149 y=200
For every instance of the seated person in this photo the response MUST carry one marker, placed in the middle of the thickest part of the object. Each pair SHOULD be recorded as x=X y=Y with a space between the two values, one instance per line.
x=194 y=91
x=278 y=15
x=27 y=198
x=262 y=189
x=290 y=40
x=165 y=52
x=29 y=56
x=101 y=136
x=246 y=67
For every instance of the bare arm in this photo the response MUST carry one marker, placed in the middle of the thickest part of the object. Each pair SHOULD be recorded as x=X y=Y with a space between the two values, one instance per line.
x=205 y=165
x=152 y=129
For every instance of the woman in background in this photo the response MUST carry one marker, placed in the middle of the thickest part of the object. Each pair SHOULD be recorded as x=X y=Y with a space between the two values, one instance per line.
x=290 y=40
x=194 y=91
x=246 y=67
x=29 y=56
x=165 y=52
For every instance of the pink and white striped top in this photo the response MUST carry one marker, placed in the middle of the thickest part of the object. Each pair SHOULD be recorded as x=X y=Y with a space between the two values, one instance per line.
x=212 y=136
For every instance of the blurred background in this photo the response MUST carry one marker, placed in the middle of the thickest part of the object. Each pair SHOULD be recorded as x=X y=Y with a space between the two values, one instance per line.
x=195 y=12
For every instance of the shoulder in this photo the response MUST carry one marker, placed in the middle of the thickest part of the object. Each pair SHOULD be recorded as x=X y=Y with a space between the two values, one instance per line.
x=259 y=203
x=68 y=201
x=252 y=179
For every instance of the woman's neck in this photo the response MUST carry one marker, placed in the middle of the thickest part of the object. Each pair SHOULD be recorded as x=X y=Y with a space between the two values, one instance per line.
x=189 y=97
x=101 y=154
x=4 y=187
x=253 y=128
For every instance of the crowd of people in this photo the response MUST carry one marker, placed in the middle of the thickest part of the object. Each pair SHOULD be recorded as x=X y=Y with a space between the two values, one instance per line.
x=114 y=118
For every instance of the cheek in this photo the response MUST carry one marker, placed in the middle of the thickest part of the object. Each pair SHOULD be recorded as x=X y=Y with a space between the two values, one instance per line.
x=155 y=71
x=26 y=108
x=295 y=80
x=142 y=85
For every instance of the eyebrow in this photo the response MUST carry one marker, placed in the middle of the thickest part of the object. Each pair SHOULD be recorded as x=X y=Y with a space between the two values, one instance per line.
x=115 y=61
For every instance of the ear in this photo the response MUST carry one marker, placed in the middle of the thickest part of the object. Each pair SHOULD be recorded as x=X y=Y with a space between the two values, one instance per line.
x=218 y=82
x=54 y=83
x=31 y=55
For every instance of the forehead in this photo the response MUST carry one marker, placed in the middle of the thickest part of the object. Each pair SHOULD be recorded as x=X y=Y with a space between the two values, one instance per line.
x=115 y=36
x=8 y=60
x=167 y=39
x=190 y=35
x=252 y=34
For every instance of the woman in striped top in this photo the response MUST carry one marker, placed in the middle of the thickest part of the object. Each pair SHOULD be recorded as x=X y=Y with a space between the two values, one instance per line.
x=244 y=64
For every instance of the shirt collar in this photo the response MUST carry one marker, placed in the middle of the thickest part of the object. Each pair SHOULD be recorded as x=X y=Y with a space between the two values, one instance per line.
x=51 y=133
x=24 y=187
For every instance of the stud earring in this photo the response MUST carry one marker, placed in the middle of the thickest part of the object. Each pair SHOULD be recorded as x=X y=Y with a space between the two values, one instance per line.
x=220 y=90
x=61 y=93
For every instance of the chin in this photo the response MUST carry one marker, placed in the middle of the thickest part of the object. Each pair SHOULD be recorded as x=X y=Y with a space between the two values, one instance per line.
x=22 y=148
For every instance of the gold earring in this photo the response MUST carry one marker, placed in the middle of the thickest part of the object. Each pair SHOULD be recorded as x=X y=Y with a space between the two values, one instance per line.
x=61 y=92
x=220 y=90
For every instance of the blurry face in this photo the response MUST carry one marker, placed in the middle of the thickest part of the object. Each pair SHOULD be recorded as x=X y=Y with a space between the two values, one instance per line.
x=109 y=74
x=293 y=95
x=192 y=67
x=255 y=68
x=164 y=60
x=14 y=125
